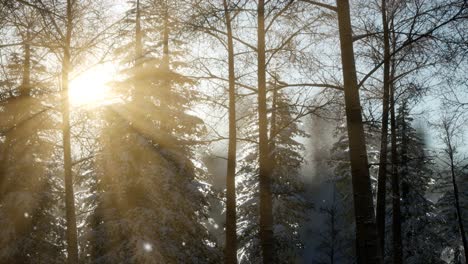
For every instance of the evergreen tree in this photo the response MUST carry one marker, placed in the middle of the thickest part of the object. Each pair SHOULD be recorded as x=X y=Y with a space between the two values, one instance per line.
x=151 y=201
x=289 y=204
x=31 y=231
x=421 y=241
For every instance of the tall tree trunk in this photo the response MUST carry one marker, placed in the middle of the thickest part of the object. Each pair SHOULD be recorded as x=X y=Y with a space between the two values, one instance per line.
x=333 y=228
x=26 y=86
x=382 y=176
x=396 y=196
x=396 y=216
x=456 y=194
x=266 y=213
x=230 y=251
x=367 y=243
x=166 y=61
x=271 y=139
x=138 y=34
x=23 y=112
x=72 y=244
x=166 y=67
x=138 y=61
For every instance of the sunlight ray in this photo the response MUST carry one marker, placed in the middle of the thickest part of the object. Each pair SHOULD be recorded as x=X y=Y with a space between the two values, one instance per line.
x=91 y=88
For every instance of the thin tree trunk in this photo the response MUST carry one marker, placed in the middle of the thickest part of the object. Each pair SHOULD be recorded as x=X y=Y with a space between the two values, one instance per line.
x=166 y=67
x=26 y=86
x=271 y=139
x=266 y=214
x=166 y=61
x=139 y=97
x=396 y=196
x=138 y=34
x=367 y=243
x=396 y=216
x=459 y=214
x=230 y=251
x=382 y=176
x=23 y=226
x=333 y=228
x=456 y=194
x=72 y=244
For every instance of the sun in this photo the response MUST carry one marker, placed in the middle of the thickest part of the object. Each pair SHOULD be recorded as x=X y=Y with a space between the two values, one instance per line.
x=91 y=88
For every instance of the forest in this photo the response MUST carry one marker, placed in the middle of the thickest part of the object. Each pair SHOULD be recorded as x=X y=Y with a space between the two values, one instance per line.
x=233 y=131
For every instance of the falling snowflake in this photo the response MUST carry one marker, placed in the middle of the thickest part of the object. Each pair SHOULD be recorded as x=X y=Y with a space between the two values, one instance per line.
x=147 y=247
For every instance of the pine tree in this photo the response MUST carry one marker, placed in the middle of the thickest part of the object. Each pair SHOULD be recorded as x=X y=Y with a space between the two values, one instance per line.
x=151 y=200
x=31 y=231
x=289 y=204
x=421 y=242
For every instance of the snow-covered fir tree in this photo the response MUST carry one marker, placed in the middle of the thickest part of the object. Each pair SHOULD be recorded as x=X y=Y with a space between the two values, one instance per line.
x=289 y=203
x=421 y=241
x=151 y=202
x=31 y=231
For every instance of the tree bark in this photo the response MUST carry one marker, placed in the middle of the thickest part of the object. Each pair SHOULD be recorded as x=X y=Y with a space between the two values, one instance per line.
x=230 y=251
x=382 y=176
x=367 y=243
x=72 y=244
x=266 y=214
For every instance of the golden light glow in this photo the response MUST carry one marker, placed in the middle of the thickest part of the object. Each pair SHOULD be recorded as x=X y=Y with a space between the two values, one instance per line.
x=91 y=87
